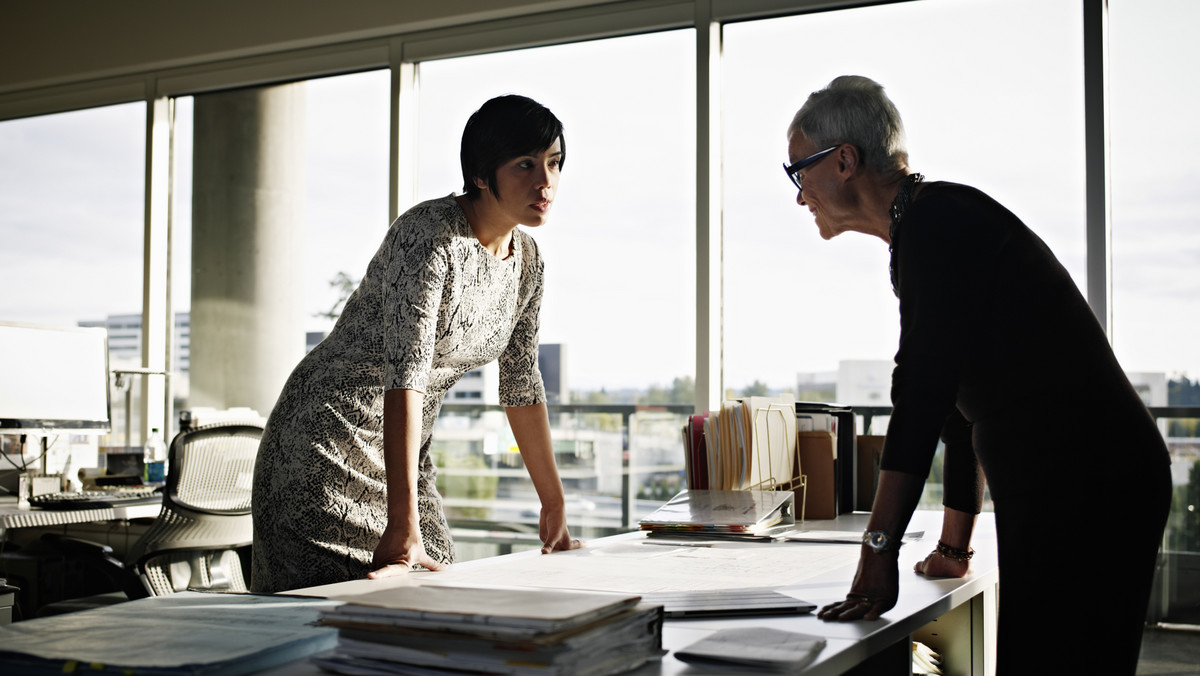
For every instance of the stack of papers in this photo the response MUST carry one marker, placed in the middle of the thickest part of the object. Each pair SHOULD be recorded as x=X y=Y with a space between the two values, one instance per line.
x=723 y=514
x=453 y=630
x=749 y=443
x=184 y=634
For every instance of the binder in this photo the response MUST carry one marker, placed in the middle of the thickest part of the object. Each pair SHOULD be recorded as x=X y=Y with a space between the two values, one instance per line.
x=816 y=449
x=841 y=423
x=722 y=513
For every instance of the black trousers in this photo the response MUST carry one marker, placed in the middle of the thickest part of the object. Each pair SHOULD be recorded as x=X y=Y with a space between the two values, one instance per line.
x=1076 y=573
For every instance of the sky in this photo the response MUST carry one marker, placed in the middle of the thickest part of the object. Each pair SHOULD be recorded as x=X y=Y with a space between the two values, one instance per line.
x=991 y=93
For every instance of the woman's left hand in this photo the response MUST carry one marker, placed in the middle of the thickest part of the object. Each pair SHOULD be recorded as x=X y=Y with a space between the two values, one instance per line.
x=936 y=565
x=874 y=592
x=552 y=527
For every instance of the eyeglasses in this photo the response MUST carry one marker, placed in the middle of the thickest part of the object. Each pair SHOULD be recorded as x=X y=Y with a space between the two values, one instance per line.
x=793 y=170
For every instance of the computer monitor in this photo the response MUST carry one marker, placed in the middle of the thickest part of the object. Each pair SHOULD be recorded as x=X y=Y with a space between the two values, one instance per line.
x=53 y=379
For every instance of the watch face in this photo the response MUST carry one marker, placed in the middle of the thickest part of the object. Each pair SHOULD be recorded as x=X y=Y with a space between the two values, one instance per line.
x=877 y=540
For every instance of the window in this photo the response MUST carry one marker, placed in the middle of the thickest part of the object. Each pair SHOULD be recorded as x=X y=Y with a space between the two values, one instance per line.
x=1156 y=293
x=618 y=314
x=342 y=201
x=799 y=309
x=819 y=317
x=71 y=204
x=619 y=248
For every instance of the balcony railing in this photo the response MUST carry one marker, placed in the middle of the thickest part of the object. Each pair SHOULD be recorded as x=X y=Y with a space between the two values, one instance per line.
x=599 y=512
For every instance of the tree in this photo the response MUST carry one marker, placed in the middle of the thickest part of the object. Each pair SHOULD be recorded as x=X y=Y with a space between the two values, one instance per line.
x=1183 y=527
x=681 y=391
x=755 y=389
x=345 y=285
x=1183 y=392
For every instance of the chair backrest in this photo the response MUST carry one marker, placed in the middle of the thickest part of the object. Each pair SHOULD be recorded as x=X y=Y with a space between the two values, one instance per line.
x=210 y=468
x=205 y=517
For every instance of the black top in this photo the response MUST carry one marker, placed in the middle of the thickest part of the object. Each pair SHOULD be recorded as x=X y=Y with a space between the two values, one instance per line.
x=998 y=348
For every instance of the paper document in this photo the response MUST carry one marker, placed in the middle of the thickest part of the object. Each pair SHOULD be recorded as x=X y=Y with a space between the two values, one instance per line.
x=501 y=611
x=184 y=633
x=632 y=566
x=848 y=537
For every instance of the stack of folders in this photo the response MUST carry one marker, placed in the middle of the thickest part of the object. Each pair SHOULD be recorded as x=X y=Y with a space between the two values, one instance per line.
x=736 y=515
x=749 y=444
x=433 y=630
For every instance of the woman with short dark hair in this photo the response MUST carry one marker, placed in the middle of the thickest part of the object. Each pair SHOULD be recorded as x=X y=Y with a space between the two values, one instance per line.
x=1001 y=357
x=344 y=486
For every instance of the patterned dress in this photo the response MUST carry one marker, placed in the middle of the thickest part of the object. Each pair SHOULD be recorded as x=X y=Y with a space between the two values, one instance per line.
x=433 y=305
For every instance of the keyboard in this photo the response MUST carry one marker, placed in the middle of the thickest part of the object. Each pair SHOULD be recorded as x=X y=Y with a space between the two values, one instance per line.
x=97 y=499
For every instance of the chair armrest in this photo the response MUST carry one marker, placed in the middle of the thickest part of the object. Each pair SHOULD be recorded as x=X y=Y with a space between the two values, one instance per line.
x=102 y=556
x=78 y=547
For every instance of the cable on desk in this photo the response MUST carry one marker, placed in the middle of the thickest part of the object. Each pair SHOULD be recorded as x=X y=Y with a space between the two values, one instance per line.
x=24 y=466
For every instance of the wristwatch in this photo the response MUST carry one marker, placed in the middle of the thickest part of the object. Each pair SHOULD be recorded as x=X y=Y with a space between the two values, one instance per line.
x=880 y=542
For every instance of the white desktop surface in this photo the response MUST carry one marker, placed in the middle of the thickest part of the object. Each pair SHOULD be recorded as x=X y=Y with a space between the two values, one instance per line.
x=12 y=516
x=819 y=574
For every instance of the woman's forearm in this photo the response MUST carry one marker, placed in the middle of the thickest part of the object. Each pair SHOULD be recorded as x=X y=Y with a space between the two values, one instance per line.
x=531 y=428
x=401 y=450
x=957 y=527
x=895 y=500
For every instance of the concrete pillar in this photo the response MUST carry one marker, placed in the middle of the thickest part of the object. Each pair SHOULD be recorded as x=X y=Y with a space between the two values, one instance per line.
x=247 y=316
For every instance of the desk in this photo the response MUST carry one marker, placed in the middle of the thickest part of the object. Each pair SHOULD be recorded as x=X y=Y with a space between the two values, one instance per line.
x=964 y=610
x=44 y=580
x=12 y=516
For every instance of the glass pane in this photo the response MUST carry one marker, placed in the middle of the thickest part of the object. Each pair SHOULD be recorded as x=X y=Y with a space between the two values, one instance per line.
x=1156 y=293
x=618 y=315
x=71 y=205
x=347 y=188
x=345 y=146
x=819 y=317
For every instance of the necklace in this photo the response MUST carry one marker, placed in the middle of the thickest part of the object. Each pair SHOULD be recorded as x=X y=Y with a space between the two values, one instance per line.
x=908 y=187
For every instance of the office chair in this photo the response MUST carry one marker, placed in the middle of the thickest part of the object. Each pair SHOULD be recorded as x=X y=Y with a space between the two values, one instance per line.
x=204 y=530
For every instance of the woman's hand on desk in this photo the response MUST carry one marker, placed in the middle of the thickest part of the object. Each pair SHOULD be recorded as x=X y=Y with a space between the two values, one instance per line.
x=876 y=585
x=397 y=552
x=552 y=528
x=937 y=565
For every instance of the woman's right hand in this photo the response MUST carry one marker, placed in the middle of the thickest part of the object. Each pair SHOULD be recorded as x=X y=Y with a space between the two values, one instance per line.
x=397 y=551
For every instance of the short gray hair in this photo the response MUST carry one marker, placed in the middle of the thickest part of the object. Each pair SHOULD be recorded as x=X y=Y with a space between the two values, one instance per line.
x=853 y=109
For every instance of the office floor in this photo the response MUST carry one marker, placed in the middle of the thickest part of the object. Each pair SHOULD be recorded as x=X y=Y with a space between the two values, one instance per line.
x=1170 y=652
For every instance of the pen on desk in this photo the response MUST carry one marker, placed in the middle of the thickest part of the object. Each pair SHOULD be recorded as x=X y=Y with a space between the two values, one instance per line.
x=677 y=544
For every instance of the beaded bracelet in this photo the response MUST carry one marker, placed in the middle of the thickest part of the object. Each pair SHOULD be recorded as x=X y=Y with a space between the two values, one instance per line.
x=954 y=553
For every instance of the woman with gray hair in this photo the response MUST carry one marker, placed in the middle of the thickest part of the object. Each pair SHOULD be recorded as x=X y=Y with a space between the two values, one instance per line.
x=1001 y=357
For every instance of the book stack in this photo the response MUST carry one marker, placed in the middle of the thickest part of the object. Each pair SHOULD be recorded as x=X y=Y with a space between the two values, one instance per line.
x=433 y=630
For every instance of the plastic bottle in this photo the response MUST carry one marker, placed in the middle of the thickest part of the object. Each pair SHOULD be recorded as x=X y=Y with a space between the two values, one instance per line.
x=154 y=458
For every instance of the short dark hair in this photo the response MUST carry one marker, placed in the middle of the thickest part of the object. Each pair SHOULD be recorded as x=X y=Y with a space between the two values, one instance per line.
x=503 y=128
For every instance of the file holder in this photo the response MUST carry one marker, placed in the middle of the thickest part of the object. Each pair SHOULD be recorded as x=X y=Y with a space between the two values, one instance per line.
x=797 y=482
x=766 y=452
